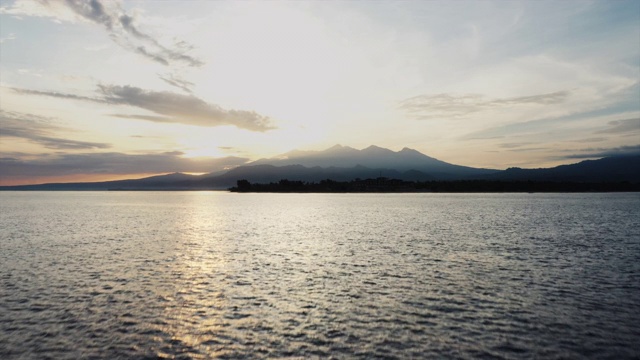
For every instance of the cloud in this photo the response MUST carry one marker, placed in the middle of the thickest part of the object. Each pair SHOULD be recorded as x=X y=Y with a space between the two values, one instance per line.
x=11 y=36
x=514 y=145
x=38 y=130
x=57 y=95
x=557 y=97
x=122 y=27
x=590 y=140
x=145 y=137
x=455 y=106
x=154 y=118
x=169 y=107
x=16 y=165
x=605 y=152
x=31 y=72
x=186 y=109
x=181 y=84
x=527 y=150
x=232 y=150
x=622 y=127
x=554 y=125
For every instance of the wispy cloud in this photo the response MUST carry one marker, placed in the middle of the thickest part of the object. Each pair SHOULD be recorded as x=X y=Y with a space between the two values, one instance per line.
x=622 y=126
x=122 y=27
x=184 y=109
x=514 y=145
x=232 y=150
x=11 y=36
x=589 y=153
x=154 y=118
x=169 y=107
x=56 y=94
x=178 y=82
x=590 y=140
x=39 y=130
x=145 y=137
x=31 y=72
x=557 y=124
x=112 y=163
x=453 y=106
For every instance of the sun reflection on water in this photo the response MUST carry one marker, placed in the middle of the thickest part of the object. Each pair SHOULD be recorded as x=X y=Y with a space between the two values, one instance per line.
x=194 y=314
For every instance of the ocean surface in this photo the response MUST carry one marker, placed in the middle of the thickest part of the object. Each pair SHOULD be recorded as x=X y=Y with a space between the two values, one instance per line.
x=198 y=275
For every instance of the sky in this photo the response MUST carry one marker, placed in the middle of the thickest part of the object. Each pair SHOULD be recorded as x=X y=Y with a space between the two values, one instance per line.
x=96 y=90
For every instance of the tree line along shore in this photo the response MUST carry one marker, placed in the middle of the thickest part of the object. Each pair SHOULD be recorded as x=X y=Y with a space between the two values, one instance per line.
x=385 y=185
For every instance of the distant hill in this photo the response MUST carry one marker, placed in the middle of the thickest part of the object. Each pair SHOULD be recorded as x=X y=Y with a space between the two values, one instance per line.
x=159 y=182
x=342 y=163
x=610 y=169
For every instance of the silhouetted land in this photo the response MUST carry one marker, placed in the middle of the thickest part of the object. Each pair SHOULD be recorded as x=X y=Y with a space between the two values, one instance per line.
x=405 y=171
x=384 y=185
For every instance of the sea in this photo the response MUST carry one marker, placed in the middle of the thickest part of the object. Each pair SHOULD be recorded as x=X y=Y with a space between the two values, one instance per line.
x=203 y=275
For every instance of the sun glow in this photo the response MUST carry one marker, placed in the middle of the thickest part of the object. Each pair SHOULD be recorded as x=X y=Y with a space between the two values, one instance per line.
x=278 y=60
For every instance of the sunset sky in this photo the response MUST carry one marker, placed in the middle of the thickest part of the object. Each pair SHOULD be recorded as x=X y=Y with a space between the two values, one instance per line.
x=97 y=90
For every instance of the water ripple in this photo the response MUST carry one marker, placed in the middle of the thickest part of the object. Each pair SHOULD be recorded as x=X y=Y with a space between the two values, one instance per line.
x=213 y=275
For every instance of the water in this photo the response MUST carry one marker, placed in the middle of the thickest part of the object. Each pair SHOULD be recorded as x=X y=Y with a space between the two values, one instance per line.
x=209 y=274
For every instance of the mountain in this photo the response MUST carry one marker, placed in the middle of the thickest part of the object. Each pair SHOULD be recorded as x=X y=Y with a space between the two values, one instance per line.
x=374 y=157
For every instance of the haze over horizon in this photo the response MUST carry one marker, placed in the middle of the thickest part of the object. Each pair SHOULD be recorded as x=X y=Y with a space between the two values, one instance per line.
x=103 y=90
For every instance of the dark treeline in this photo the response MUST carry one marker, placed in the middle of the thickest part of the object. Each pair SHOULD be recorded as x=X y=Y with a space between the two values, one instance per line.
x=394 y=185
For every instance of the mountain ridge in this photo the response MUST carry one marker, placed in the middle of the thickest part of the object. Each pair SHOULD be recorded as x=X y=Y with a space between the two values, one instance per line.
x=343 y=163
